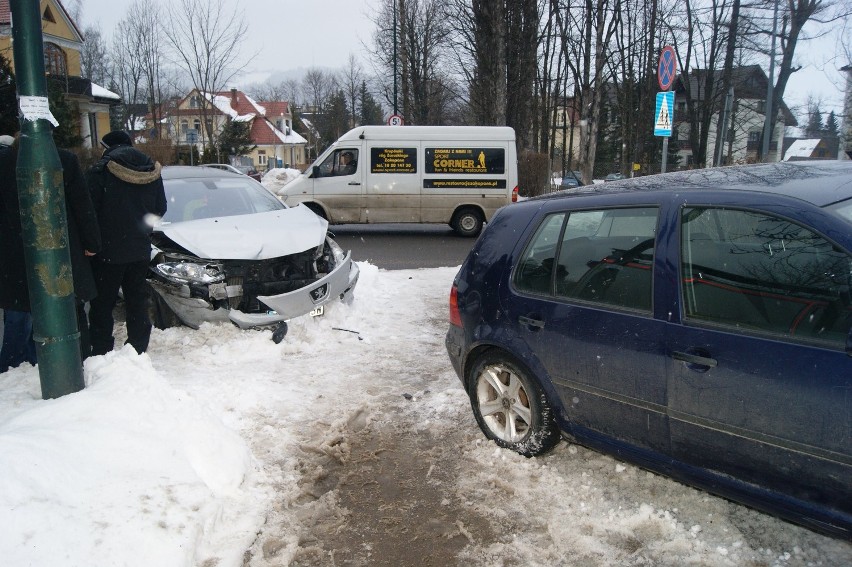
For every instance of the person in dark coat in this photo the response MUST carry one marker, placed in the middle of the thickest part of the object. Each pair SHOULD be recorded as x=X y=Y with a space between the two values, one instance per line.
x=83 y=240
x=128 y=194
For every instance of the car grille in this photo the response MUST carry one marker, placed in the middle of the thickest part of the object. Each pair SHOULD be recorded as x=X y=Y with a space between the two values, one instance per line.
x=269 y=277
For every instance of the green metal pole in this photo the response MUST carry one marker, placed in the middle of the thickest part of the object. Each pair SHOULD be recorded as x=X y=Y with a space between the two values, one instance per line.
x=43 y=220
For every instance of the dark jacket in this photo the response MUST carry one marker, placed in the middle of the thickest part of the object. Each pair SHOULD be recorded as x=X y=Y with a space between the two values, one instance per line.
x=83 y=232
x=127 y=189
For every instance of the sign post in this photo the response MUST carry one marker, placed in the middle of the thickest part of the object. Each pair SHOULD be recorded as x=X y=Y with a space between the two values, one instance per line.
x=664 y=113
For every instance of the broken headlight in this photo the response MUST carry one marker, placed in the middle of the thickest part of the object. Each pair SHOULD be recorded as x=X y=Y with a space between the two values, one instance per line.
x=190 y=272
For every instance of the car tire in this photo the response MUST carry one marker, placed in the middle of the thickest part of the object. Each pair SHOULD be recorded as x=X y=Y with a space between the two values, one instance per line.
x=161 y=314
x=468 y=222
x=510 y=407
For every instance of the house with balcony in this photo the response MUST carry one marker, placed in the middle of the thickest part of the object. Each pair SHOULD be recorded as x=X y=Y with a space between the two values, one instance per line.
x=63 y=43
x=745 y=116
x=198 y=118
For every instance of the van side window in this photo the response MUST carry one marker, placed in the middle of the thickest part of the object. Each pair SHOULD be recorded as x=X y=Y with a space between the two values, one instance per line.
x=340 y=162
x=603 y=256
x=755 y=271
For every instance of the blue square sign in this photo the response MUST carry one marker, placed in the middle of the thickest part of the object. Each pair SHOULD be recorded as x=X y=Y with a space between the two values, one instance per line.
x=664 y=114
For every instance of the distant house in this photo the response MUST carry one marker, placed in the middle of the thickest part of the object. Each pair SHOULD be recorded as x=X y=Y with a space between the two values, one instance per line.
x=62 y=44
x=746 y=122
x=270 y=125
x=812 y=148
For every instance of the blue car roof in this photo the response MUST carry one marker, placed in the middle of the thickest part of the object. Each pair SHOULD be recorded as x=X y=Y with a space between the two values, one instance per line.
x=821 y=183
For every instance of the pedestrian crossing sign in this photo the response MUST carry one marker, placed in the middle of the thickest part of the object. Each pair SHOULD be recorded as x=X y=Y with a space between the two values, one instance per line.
x=664 y=114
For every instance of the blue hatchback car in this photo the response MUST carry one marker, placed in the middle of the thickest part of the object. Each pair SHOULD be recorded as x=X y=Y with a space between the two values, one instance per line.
x=694 y=323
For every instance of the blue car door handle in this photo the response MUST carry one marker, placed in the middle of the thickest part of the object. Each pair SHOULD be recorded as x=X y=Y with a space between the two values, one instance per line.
x=694 y=359
x=530 y=322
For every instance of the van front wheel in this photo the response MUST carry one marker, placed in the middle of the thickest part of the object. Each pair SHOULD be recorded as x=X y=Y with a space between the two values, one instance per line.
x=468 y=222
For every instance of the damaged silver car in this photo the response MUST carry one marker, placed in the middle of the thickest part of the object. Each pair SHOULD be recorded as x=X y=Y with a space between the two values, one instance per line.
x=229 y=250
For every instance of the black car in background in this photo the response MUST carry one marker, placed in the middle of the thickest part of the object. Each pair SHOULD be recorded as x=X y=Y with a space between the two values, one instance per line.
x=698 y=324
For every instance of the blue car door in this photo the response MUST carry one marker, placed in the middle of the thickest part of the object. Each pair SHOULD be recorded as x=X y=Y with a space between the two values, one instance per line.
x=760 y=385
x=582 y=303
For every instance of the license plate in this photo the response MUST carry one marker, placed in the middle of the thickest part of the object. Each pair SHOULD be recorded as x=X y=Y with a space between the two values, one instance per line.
x=317 y=311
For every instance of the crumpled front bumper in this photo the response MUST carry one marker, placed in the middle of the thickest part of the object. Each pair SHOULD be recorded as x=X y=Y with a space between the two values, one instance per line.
x=192 y=311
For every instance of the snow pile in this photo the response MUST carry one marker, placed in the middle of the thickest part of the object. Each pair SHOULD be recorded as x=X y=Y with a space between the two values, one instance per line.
x=128 y=461
x=276 y=178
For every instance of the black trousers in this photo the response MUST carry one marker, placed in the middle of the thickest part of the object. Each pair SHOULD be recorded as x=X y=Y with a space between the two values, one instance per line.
x=131 y=279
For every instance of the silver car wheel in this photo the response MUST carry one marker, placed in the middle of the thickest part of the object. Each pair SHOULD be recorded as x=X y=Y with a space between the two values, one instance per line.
x=504 y=403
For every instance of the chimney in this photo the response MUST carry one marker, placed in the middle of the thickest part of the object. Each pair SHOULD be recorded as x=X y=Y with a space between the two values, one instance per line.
x=234 y=97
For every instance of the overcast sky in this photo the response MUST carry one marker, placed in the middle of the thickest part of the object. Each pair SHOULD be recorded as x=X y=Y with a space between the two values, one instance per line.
x=288 y=34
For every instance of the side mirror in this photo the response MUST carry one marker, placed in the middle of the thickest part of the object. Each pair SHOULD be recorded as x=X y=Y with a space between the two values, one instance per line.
x=315 y=172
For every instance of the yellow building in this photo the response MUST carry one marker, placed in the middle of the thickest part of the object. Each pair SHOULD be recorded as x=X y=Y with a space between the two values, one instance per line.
x=63 y=43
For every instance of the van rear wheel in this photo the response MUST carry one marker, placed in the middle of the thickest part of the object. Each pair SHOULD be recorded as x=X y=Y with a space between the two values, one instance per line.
x=468 y=222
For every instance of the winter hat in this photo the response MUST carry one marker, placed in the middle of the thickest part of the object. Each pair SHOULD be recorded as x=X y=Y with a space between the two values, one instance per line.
x=117 y=138
x=6 y=140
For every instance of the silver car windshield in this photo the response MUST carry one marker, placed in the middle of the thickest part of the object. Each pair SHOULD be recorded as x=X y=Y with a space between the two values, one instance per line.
x=204 y=198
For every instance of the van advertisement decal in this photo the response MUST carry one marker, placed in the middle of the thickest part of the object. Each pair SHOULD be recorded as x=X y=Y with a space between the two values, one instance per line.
x=393 y=160
x=464 y=183
x=486 y=161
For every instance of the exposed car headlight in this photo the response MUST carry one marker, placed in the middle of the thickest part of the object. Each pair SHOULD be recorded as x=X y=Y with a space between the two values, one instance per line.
x=190 y=272
x=337 y=251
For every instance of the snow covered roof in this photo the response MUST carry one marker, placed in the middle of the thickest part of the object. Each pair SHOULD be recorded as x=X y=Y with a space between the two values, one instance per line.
x=100 y=92
x=801 y=148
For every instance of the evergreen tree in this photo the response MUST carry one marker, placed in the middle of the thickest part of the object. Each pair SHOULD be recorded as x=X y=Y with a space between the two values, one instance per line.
x=334 y=121
x=832 y=128
x=814 y=127
x=370 y=111
x=8 y=99
x=235 y=139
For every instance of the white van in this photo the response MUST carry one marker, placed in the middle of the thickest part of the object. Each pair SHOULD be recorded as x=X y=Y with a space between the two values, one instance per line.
x=457 y=175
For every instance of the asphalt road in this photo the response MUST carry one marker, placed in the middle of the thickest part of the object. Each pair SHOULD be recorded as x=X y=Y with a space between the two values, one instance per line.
x=403 y=246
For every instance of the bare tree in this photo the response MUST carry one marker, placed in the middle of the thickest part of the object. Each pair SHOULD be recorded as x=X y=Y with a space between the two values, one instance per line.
x=793 y=16
x=317 y=87
x=427 y=91
x=205 y=41
x=94 y=59
x=145 y=18
x=488 y=46
x=350 y=79
x=128 y=70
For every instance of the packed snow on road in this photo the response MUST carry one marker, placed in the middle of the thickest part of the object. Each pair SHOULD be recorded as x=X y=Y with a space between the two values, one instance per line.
x=350 y=442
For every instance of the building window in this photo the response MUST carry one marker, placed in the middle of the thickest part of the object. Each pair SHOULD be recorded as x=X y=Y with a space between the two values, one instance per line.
x=754 y=136
x=194 y=101
x=196 y=124
x=47 y=16
x=184 y=126
x=261 y=157
x=55 y=60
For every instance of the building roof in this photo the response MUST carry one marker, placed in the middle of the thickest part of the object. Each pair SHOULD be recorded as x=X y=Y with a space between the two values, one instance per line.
x=6 y=16
x=801 y=148
x=240 y=107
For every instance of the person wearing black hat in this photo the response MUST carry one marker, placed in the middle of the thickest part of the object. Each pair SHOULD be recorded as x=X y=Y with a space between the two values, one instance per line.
x=127 y=191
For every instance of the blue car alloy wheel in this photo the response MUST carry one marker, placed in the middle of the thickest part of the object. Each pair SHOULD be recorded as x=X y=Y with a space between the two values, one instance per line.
x=509 y=406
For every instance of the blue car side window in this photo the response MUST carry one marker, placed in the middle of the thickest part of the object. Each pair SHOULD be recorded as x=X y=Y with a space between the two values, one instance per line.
x=535 y=270
x=603 y=256
x=763 y=273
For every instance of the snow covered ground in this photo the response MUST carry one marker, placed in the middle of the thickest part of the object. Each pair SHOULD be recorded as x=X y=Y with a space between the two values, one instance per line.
x=221 y=448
